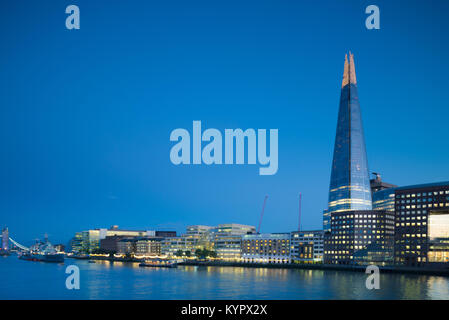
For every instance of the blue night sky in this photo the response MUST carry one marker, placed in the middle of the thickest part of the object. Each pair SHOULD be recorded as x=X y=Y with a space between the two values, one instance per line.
x=86 y=114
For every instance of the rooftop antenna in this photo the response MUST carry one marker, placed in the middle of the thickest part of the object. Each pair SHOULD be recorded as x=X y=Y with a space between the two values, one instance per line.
x=261 y=215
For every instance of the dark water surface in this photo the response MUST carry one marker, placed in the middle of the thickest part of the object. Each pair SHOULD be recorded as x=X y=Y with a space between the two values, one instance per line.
x=105 y=280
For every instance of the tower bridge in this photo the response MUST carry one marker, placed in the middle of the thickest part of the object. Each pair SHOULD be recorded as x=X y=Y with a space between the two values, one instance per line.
x=19 y=245
x=6 y=239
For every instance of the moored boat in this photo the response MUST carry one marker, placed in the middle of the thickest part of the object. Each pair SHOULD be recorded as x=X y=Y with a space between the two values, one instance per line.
x=159 y=263
x=42 y=251
x=44 y=257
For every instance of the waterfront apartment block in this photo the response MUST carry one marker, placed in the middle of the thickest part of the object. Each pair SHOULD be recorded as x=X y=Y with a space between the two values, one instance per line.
x=360 y=237
x=307 y=246
x=140 y=247
x=266 y=248
x=422 y=224
x=148 y=247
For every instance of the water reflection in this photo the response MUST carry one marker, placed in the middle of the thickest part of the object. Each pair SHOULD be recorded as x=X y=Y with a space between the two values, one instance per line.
x=122 y=280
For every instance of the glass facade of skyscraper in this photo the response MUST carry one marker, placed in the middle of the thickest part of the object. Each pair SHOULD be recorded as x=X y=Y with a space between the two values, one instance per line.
x=349 y=185
x=384 y=200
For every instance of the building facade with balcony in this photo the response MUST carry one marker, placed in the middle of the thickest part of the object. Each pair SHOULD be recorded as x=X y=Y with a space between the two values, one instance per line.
x=149 y=247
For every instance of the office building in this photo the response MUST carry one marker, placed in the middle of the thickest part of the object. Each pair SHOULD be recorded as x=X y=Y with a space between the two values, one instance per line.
x=198 y=237
x=382 y=194
x=360 y=237
x=307 y=246
x=89 y=241
x=384 y=200
x=172 y=245
x=349 y=187
x=422 y=224
x=227 y=240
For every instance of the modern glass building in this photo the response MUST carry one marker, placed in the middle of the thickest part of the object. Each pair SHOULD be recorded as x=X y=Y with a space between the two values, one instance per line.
x=360 y=237
x=384 y=200
x=350 y=184
x=227 y=239
x=422 y=224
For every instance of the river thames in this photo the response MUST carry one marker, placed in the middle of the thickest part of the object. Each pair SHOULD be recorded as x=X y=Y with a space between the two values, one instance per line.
x=106 y=280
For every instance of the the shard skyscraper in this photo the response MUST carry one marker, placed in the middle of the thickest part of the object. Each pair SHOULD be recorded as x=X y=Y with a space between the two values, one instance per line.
x=349 y=186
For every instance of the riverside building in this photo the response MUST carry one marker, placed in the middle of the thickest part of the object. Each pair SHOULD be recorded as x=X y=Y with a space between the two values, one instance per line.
x=224 y=239
x=89 y=240
x=148 y=247
x=266 y=248
x=422 y=224
x=172 y=245
x=307 y=246
x=126 y=246
x=198 y=237
x=360 y=237
x=227 y=239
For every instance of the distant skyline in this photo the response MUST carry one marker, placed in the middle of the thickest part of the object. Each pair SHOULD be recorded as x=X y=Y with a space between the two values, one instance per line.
x=86 y=114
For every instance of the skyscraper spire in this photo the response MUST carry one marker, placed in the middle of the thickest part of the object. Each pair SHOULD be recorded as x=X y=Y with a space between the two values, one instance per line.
x=352 y=78
x=349 y=71
x=345 y=72
x=349 y=186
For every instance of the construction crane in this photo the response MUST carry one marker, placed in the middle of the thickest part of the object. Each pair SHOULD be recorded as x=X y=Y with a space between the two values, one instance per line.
x=261 y=215
x=299 y=218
